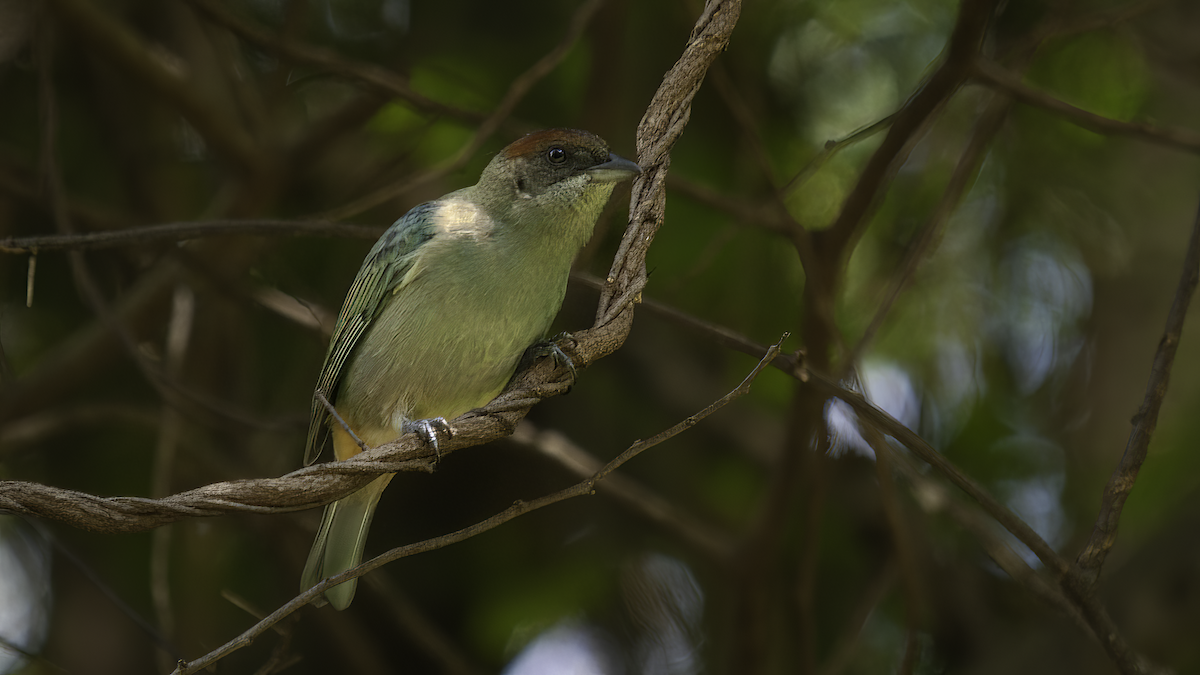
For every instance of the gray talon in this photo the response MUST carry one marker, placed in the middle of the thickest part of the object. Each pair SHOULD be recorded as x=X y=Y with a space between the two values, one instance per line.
x=428 y=430
x=561 y=358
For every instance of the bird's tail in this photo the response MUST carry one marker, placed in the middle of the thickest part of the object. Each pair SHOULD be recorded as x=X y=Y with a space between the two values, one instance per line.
x=340 y=541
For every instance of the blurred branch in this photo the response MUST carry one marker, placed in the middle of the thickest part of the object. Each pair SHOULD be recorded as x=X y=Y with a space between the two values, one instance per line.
x=842 y=653
x=961 y=52
x=1098 y=20
x=741 y=112
x=173 y=232
x=834 y=146
x=743 y=211
x=36 y=428
x=115 y=42
x=990 y=121
x=517 y=90
x=585 y=487
x=377 y=76
x=1172 y=137
x=1120 y=484
x=933 y=497
x=715 y=543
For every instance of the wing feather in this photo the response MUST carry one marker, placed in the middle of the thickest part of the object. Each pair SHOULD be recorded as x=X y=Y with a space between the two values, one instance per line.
x=381 y=276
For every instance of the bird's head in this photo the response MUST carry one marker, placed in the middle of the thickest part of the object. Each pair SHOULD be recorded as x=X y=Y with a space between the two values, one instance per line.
x=551 y=175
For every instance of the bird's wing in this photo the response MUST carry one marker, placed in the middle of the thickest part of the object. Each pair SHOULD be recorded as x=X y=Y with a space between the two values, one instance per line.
x=383 y=272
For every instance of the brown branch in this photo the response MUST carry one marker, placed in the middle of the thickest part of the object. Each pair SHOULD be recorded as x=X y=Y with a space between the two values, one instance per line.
x=960 y=181
x=933 y=497
x=1081 y=601
x=173 y=232
x=919 y=447
x=1082 y=597
x=580 y=489
x=1171 y=137
x=1104 y=534
x=302 y=489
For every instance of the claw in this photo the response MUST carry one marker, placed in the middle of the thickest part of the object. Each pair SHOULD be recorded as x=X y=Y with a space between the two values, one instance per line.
x=550 y=348
x=561 y=359
x=428 y=430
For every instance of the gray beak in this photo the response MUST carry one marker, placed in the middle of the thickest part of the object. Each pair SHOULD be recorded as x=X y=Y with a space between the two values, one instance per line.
x=616 y=169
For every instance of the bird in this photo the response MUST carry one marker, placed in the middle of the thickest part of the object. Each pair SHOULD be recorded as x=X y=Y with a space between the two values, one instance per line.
x=443 y=308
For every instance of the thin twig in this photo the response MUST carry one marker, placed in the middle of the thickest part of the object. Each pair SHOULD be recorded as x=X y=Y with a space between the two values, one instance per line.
x=933 y=497
x=960 y=180
x=182 y=231
x=1001 y=513
x=320 y=396
x=1104 y=534
x=1172 y=137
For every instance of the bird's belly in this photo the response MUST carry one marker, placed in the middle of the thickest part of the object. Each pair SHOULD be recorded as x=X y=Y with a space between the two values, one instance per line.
x=437 y=358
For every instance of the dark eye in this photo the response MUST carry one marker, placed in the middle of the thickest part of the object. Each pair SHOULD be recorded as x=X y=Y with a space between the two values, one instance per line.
x=556 y=155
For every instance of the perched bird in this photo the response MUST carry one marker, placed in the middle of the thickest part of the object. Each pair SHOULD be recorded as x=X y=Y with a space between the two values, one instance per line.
x=443 y=307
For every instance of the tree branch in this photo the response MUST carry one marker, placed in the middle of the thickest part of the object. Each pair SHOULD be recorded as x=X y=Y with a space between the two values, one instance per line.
x=1120 y=484
x=173 y=232
x=1171 y=137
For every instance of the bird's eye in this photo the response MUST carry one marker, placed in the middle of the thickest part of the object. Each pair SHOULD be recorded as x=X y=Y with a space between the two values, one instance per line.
x=556 y=155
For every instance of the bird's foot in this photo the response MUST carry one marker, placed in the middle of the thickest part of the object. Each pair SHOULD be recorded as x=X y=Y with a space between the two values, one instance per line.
x=428 y=430
x=550 y=348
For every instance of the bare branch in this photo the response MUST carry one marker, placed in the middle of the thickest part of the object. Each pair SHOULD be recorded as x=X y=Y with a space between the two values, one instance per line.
x=960 y=181
x=1171 y=137
x=1120 y=484
x=173 y=232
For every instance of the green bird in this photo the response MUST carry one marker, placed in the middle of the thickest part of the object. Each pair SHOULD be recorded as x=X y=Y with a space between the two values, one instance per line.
x=444 y=306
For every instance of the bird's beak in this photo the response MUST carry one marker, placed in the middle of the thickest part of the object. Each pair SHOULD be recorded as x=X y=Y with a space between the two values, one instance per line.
x=616 y=169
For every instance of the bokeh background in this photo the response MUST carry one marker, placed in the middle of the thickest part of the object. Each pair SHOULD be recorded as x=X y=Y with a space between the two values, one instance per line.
x=1020 y=348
